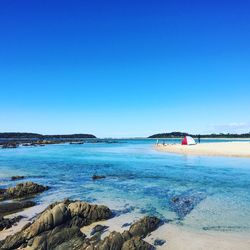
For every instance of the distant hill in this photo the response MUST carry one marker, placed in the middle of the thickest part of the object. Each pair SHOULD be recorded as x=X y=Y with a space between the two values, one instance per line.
x=15 y=135
x=182 y=134
x=169 y=135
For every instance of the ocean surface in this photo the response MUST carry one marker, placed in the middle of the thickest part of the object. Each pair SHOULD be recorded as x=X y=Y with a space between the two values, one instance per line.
x=139 y=180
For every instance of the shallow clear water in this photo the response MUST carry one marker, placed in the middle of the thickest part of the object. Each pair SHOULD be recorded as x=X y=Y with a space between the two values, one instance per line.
x=139 y=179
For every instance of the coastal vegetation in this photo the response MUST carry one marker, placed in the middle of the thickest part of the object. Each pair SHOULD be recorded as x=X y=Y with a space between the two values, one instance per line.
x=182 y=134
x=18 y=135
x=15 y=139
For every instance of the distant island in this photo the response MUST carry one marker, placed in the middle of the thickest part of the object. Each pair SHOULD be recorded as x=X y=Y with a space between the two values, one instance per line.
x=15 y=135
x=182 y=134
x=15 y=139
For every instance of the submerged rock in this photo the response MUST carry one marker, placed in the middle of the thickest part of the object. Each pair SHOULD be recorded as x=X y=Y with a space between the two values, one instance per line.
x=98 y=177
x=17 y=177
x=11 y=207
x=184 y=203
x=76 y=142
x=10 y=145
x=159 y=242
x=22 y=190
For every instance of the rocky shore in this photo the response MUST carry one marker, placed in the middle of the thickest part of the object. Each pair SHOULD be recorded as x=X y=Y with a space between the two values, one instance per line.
x=60 y=225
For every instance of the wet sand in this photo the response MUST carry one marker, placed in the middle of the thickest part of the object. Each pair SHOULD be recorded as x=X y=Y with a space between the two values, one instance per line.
x=181 y=238
x=233 y=149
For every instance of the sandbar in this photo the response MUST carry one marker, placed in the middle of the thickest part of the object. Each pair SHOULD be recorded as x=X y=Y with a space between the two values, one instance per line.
x=233 y=149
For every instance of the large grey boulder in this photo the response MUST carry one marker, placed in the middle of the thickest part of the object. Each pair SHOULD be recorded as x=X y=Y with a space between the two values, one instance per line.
x=48 y=220
x=83 y=213
x=144 y=226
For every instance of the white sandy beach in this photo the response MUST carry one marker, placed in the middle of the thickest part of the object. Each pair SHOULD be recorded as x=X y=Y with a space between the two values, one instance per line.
x=182 y=238
x=234 y=149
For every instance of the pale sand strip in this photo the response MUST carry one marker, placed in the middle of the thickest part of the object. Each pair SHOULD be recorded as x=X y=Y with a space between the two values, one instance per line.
x=235 y=149
x=181 y=238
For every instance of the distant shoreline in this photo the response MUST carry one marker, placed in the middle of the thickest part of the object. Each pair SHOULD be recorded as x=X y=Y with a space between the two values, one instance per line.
x=205 y=138
x=24 y=135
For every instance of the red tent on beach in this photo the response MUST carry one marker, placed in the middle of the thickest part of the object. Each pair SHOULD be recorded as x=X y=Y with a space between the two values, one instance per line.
x=188 y=140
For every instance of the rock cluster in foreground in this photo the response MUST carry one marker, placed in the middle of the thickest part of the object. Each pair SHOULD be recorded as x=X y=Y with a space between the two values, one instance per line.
x=58 y=227
x=22 y=190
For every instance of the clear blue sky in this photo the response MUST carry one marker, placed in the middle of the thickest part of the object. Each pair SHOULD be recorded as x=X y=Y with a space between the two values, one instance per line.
x=124 y=68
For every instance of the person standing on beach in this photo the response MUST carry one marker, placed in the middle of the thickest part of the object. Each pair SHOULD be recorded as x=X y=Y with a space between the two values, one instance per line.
x=199 y=138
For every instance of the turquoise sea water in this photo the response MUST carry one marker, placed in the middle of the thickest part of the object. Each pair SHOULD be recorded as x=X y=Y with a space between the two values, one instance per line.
x=139 y=179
